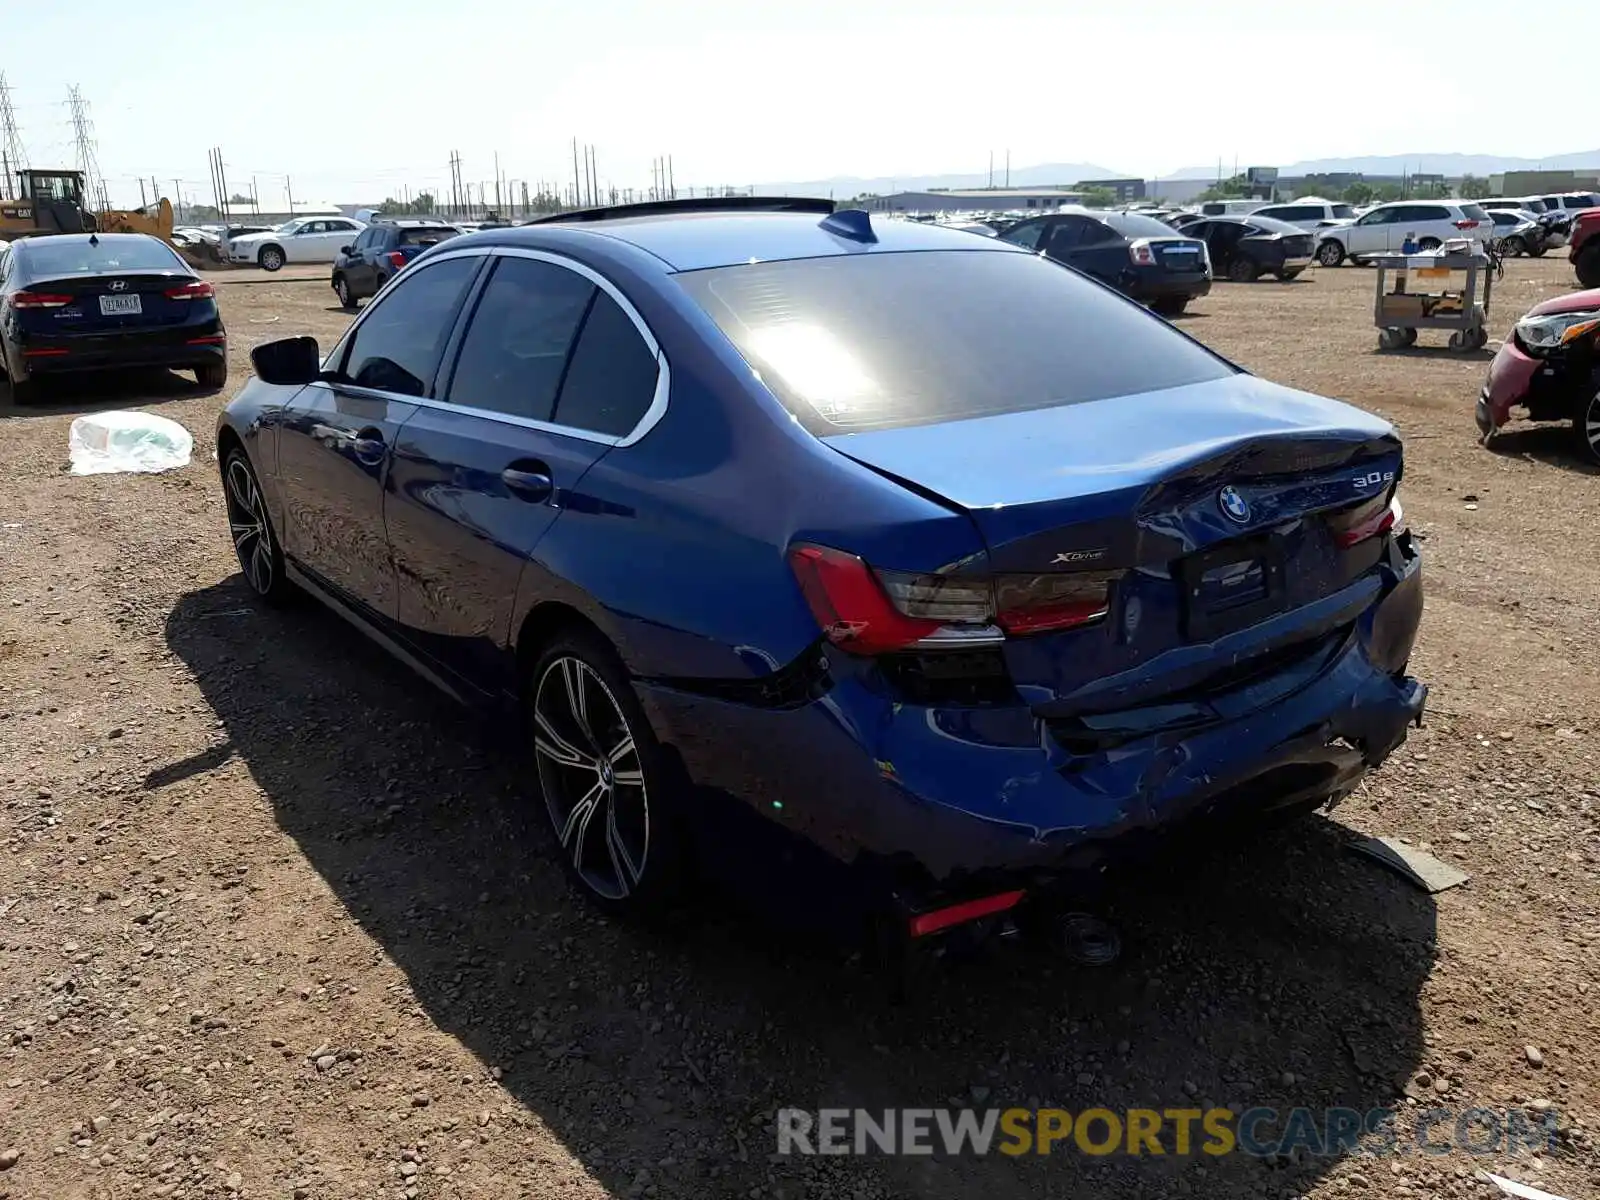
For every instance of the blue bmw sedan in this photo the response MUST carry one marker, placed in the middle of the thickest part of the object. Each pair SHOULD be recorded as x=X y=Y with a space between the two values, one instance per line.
x=816 y=547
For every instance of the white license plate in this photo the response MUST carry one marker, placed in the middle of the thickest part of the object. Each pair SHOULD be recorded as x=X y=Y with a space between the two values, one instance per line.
x=120 y=306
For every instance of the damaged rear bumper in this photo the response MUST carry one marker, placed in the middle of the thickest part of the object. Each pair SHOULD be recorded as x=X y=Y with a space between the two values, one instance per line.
x=930 y=804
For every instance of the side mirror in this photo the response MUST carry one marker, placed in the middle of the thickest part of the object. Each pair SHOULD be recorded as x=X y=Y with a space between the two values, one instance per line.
x=346 y=249
x=288 y=361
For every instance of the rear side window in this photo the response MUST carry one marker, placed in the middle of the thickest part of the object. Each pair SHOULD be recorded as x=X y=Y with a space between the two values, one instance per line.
x=73 y=257
x=1473 y=213
x=425 y=237
x=397 y=347
x=1343 y=211
x=876 y=341
x=611 y=379
x=516 y=347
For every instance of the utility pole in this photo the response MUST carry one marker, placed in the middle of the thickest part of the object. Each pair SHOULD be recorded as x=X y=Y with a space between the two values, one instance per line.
x=177 y=195
x=12 y=153
x=577 y=190
x=141 y=192
x=288 y=190
x=1008 y=168
x=255 y=197
x=991 y=170
x=672 y=181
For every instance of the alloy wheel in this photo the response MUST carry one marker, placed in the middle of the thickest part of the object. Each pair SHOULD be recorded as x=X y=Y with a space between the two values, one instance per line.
x=1591 y=426
x=247 y=523
x=592 y=778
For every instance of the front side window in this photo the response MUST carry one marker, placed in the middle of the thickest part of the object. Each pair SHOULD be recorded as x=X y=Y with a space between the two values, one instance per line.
x=515 y=351
x=397 y=344
x=988 y=332
x=1379 y=216
x=1025 y=235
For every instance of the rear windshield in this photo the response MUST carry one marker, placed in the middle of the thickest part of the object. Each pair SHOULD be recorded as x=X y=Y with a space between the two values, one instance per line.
x=874 y=341
x=1134 y=226
x=1272 y=225
x=46 y=256
x=1343 y=211
x=425 y=237
x=1473 y=213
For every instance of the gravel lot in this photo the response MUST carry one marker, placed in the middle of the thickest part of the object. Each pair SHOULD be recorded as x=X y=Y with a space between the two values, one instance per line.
x=277 y=921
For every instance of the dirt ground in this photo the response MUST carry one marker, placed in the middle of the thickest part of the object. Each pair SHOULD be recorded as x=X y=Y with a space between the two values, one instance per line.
x=277 y=921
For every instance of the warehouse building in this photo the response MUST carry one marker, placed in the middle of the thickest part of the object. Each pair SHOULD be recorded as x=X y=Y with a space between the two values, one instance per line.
x=972 y=200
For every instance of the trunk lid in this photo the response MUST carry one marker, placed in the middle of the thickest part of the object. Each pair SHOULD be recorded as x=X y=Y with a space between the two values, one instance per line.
x=103 y=304
x=1213 y=506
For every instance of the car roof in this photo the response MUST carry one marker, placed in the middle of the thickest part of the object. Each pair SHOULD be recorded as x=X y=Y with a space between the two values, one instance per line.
x=691 y=241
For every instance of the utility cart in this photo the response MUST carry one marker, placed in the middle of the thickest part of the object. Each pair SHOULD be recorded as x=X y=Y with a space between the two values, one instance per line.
x=1433 y=290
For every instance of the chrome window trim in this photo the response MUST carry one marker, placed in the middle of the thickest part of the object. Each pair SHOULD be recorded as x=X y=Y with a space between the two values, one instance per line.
x=648 y=421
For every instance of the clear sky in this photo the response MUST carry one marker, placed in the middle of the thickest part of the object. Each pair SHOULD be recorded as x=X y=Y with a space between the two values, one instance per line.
x=354 y=101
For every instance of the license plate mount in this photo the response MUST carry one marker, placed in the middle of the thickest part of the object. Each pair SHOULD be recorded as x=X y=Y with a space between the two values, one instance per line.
x=121 y=306
x=1231 y=586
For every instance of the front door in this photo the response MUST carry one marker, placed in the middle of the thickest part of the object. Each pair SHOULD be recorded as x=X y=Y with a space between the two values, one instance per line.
x=482 y=474
x=1370 y=235
x=336 y=443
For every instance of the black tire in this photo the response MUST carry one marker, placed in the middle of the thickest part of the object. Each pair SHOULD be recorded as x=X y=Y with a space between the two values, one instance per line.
x=270 y=259
x=1514 y=246
x=1171 y=307
x=250 y=528
x=1587 y=264
x=1242 y=270
x=22 y=394
x=597 y=755
x=1330 y=253
x=212 y=375
x=1586 y=423
x=1286 y=276
x=1537 y=249
x=1429 y=243
x=341 y=288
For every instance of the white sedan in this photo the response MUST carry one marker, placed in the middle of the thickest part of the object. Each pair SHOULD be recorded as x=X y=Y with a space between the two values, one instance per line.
x=302 y=240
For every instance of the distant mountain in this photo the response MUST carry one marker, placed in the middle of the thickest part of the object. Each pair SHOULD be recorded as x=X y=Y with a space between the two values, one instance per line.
x=842 y=187
x=1453 y=165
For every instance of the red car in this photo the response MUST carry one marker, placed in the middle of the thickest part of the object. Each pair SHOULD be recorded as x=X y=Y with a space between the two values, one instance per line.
x=1550 y=366
x=1585 y=242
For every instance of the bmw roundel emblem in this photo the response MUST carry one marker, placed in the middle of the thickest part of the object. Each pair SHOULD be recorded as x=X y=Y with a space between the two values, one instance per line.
x=1234 y=506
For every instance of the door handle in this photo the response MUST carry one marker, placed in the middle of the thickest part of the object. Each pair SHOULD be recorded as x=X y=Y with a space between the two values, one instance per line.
x=368 y=447
x=536 y=487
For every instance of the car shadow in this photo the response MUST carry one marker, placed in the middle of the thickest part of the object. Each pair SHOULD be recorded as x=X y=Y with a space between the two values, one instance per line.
x=1274 y=972
x=96 y=391
x=1552 y=444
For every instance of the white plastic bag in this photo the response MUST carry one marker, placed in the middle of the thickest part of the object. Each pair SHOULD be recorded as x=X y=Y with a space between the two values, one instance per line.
x=127 y=440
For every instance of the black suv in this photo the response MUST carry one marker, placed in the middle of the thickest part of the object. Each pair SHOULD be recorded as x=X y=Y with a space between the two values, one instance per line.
x=1135 y=254
x=377 y=255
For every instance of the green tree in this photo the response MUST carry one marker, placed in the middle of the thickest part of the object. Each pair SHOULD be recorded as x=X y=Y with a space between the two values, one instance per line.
x=1098 y=197
x=423 y=204
x=1473 y=188
x=1430 y=191
x=1386 y=192
x=1225 y=189
x=1358 y=193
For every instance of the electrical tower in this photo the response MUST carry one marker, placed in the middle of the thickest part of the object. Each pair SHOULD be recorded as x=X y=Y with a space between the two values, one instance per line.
x=94 y=185
x=12 y=154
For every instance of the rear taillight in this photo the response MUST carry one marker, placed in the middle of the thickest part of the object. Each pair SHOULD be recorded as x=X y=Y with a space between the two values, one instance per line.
x=1468 y=223
x=396 y=259
x=1360 y=522
x=198 y=290
x=1142 y=253
x=869 y=611
x=39 y=300
x=1035 y=603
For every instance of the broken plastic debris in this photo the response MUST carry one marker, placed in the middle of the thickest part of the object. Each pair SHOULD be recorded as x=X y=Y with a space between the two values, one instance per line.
x=127 y=440
x=1512 y=1188
x=1415 y=866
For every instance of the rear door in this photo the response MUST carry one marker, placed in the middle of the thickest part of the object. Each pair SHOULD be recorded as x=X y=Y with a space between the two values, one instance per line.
x=336 y=441
x=553 y=369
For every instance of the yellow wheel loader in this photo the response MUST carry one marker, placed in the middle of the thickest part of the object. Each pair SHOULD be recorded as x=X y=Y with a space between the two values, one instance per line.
x=52 y=202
